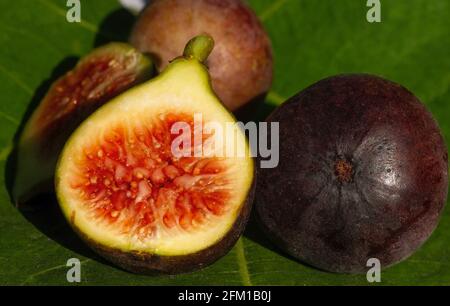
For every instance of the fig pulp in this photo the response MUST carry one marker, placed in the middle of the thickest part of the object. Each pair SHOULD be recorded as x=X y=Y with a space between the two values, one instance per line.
x=136 y=202
x=362 y=171
x=99 y=76
x=241 y=64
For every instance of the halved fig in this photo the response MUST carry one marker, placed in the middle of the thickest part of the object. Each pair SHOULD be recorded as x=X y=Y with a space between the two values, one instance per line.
x=135 y=201
x=98 y=77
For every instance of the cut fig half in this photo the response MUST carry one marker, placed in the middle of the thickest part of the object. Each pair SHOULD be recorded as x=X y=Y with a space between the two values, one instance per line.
x=98 y=77
x=136 y=202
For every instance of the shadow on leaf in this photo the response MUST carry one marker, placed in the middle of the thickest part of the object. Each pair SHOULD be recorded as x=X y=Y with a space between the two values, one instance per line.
x=255 y=233
x=11 y=164
x=115 y=27
x=256 y=110
x=44 y=213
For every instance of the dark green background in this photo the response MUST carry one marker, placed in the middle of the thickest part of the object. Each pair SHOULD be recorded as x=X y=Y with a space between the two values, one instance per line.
x=312 y=39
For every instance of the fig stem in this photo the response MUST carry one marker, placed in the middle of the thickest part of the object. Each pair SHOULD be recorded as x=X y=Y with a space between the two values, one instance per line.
x=199 y=47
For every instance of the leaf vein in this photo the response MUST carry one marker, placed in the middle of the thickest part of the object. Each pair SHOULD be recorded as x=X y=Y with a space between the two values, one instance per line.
x=83 y=24
x=16 y=80
x=5 y=152
x=275 y=98
x=9 y=118
x=33 y=36
x=272 y=9
x=34 y=275
x=242 y=262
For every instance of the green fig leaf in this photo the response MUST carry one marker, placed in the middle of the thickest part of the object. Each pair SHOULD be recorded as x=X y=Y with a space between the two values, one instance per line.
x=311 y=40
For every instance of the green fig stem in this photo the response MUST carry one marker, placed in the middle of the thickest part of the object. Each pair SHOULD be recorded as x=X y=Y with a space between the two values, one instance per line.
x=199 y=47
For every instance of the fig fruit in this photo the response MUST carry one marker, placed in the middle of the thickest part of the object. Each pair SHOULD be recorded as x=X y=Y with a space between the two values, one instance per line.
x=138 y=203
x=99 y=76
x=363 y=174
x=241 y=64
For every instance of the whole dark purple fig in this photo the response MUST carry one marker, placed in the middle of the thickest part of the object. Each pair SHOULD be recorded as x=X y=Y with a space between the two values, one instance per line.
x=362 y=174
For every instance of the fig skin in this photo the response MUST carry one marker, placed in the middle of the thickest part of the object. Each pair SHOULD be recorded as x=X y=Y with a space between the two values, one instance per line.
x=363 y=170
x=241 y=65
